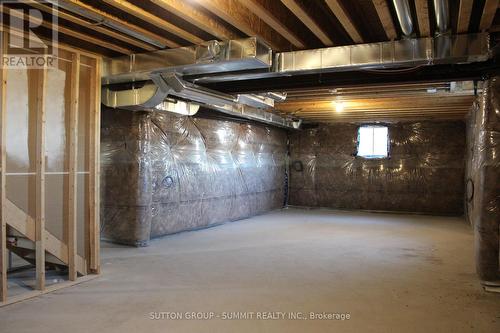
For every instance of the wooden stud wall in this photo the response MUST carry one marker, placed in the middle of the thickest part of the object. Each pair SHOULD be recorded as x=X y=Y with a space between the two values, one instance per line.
x=33 y=227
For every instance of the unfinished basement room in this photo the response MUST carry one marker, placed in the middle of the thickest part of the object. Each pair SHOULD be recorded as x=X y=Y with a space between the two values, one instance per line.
x=250 y=166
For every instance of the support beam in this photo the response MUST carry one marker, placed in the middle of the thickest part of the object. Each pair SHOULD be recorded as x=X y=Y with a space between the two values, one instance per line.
x=489 y=11
x=422 y=7
x=97 y=28
x=3 y=222
x=101 y=17
x=235 y=14
x=265 y=15
x=71 y=218
x=385 y=18
x=146 y=16
x=40 y=90
x=93 y=190
x=343 y=17
x=191 y=14
x=309 y=22
x=464 y=12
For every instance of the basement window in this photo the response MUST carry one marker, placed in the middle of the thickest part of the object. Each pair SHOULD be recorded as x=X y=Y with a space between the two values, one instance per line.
x=373 y=141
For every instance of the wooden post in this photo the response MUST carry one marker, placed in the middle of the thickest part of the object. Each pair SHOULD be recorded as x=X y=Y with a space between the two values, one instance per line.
x=40 y=179
x=71 y=218
x=3 y=226
x=94 y=162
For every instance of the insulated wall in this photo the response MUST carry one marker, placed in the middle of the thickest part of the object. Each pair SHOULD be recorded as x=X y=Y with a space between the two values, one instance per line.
x=483 y=180
x=423 y=173
x=163 y=173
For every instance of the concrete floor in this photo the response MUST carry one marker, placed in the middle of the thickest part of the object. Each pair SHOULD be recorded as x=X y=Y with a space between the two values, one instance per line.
x=400 y=273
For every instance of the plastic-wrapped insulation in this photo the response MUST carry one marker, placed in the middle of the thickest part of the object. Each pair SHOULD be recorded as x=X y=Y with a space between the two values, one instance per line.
x=163 y=173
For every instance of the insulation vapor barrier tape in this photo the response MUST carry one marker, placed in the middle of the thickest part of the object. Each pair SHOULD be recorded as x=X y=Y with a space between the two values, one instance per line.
x=163 y=173
x=483 y=180
x=423 y=173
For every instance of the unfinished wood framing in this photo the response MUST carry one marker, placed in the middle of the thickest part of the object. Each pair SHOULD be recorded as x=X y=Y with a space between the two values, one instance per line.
x=423 y=17
x=55 y=223
x=489 y=11
x=385 y=18
x=343 y=17
x=309 y=22
x=464 y=12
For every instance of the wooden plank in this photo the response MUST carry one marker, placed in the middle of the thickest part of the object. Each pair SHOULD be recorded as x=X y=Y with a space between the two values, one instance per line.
x=41 y=89
x=385 y=18
x=239 y=17
x=71 y=218
x=489 y=11
x=94 y=168
x=146 y=16
x=3 y=223
x=464 y=13
x=49 y=289
x=422 y=7
x=160 y=40
x=309 y=22
x=189 y=13
x=344 y=19
x=89 y=25
x=25 y=224
x=265 y=15
x=71 y=32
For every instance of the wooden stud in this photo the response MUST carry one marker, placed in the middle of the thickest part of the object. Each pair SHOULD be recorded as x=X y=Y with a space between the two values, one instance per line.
x=464 y=12
x=164 y=42
x=94 y=167
x=385 y=18
x=265 y=15
x=137 y=11
x=71 y=218
x=489 y=11
x=41 y=88
x=344 y=19
x=191 y=14
x=235 y=14
x=423 y=17
x=86 y=24
x=308 y=21
x=3 y=222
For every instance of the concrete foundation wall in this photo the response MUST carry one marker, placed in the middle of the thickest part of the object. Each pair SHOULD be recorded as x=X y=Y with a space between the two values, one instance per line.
x=163 y=173
x=424 y=171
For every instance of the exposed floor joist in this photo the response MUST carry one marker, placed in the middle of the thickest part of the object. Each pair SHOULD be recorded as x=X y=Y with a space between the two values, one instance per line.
x=309 y=22
x=346 y=21
x=464 y=12
x=190 y=13
x=153 y=19
x=385 y=18
x=423 y=17
x=239 y=17
x=489 y=11
x=270 y=18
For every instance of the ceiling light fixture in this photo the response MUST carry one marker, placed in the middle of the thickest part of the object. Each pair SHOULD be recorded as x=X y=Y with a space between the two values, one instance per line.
x=339 y=106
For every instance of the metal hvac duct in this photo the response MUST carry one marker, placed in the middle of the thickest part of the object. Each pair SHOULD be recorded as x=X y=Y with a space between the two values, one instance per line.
x=403 y=12
x=442 y=10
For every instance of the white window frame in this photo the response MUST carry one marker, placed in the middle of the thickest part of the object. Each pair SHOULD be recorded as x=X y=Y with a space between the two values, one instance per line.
x=373 y=142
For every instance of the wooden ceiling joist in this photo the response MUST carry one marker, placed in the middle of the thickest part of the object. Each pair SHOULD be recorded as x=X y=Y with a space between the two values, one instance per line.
x=309 y=22
x=160 y=40
x=153 y=19
x=239 y=17
x=489 y=11
x=464 y=12
x=90 y=25
x=423 y=17
x=71 y=32
x=343 y=17
x=190 y=13
x=385 y=18
x=265 y=15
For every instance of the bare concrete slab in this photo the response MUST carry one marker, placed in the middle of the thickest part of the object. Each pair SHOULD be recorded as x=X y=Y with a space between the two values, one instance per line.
x=400 y=273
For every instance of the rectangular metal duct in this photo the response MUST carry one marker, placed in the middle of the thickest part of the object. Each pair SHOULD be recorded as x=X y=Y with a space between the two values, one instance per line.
x=209 y=57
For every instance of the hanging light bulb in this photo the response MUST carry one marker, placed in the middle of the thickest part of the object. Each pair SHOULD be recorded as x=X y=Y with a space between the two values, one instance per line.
x=339 y=106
